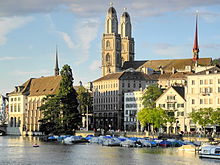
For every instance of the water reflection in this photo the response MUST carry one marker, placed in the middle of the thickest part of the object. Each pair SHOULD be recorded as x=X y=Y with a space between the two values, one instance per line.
x=20 y=150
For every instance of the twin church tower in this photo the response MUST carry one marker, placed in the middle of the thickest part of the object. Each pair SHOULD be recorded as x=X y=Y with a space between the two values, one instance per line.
x=117 y=42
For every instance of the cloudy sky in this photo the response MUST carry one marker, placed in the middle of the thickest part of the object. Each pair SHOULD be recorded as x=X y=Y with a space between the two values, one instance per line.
x=162 y=29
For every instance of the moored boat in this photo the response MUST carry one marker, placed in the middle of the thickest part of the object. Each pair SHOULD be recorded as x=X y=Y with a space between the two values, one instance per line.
x=210 y=152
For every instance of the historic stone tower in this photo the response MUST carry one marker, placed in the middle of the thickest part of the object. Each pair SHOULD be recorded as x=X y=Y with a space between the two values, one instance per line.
x=127 y=42
x=111 y=44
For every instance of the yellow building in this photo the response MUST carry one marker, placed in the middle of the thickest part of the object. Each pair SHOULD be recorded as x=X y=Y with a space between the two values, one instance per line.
x=24 y=103
x=108 y=96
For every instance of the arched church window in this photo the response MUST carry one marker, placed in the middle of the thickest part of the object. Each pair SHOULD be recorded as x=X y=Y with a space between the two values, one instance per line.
x=108 y=46
x=108 y=25
x=108 y=59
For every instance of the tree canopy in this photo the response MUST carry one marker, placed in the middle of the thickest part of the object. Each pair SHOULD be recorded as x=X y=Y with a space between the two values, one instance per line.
x=60 y=111
x=151 y=94
x=85 y=99
x=206 y=116
x=156 y=116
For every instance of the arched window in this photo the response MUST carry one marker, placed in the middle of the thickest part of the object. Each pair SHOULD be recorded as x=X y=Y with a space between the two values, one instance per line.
x=108 y=46
x=108 y=59
x=11 y=122
x=15 y=124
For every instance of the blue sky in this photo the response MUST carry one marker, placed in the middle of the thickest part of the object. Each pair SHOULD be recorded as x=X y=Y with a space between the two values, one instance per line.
x=162 y=29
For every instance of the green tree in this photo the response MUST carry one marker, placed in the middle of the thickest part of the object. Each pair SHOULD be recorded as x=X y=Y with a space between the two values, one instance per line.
x=155 y=116
x=151 y=95
x=71 y=117
x=215 y=117
x=50 y=123
x=170 y=118
x=85 y=100
x=60 y=110
x=216 y=61
x=202 y=116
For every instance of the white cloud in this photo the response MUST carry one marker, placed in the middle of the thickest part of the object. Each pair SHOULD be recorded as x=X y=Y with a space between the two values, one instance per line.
x=11 y=58
x=95 y=65
x=86 y=31
x=67 y=39
x=9 y=24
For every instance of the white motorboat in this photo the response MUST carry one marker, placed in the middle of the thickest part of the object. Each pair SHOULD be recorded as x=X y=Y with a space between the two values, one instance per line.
x=210 y=152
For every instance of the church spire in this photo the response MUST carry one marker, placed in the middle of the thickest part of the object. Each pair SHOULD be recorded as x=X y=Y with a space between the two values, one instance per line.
x=196 y=45
x=56 y=65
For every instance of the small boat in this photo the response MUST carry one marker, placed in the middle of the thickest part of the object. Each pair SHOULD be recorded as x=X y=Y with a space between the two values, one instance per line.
x=210 y=152
x=36 y=145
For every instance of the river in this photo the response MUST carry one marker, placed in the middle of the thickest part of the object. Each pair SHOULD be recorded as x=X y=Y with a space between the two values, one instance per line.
x=20 y=151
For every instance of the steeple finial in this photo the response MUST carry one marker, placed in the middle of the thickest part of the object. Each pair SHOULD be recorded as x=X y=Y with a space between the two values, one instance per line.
x=111 y=4
x=56 y=65
x=196 y=45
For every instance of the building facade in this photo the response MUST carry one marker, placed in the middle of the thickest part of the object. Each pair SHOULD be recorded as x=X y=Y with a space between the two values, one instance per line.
x=132 y=105
x=173 y=101
x=24 y=103
x=3 y=109
x=203 y=91
x=108 y=96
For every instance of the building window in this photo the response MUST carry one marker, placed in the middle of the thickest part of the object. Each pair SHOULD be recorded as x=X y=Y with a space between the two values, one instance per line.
x=210 y=81
x=210 y=101
x=170 y=97
x=201 y=82
x=201 y=101
x=218 y=81
x=11 y=99
x=218 y=100
x=206 y=81
x=193 y=82
x=218 y=89
x=19 y=107
x=193 y=101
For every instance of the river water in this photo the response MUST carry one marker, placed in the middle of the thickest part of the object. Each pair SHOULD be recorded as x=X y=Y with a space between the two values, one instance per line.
x=20 y=151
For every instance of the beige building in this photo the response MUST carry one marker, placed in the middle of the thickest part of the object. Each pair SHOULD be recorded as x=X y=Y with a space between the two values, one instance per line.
x=108 y=96
x=132 y=105
x=173 y=100
x=203 y=91
x=24 y=103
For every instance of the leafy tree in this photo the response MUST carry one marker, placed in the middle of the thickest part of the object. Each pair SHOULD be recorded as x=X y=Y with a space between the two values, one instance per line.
x=203 y=116
x=215 y=117
x=60 y=110
x=151 y=95
x=68 y=101
x=170 y=117
x=85 y=99
x=50 y=110
x=216 y=61
x=155 y=116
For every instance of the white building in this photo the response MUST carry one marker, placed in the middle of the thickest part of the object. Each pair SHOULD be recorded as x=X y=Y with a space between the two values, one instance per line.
x=203 y=91
x=132 y=105
x=173 y=100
